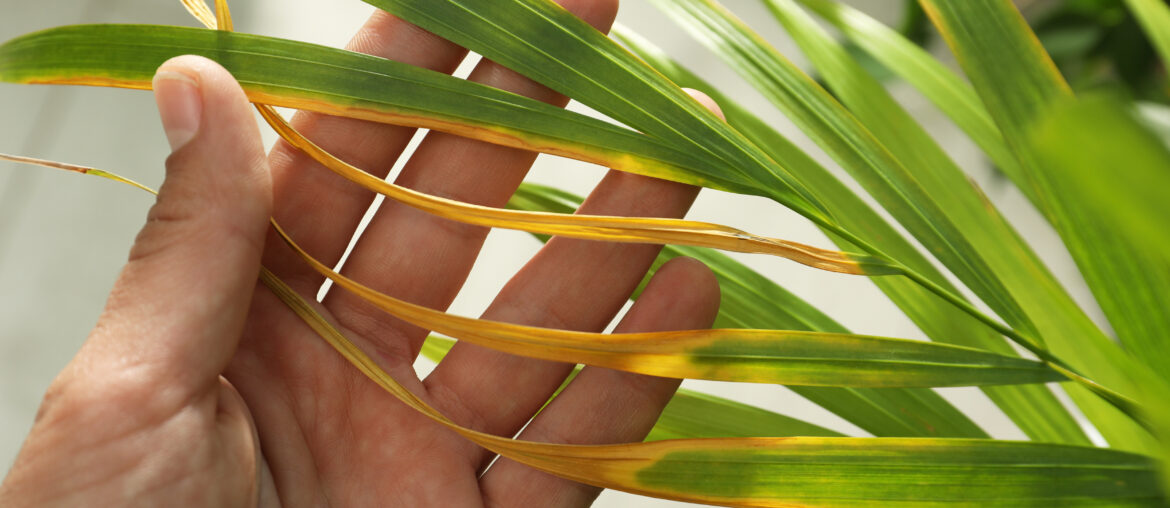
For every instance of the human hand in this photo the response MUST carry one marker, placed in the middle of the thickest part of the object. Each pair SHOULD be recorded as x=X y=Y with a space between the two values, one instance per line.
x=195 y=390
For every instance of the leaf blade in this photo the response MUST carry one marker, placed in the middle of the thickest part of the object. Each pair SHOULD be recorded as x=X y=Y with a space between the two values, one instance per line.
x=571 y=57
x=766 y=356
x=1018 y=86
x=749 y=300
x=306 y=76
x=1005 y=253
x=1079 y=140
x=589 y=227
x=945 y=89
x=1154 y=17
x=744 y=471
x=688 y=415
x=853 y=146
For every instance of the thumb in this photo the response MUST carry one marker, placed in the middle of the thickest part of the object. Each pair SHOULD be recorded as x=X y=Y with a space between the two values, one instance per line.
x=178 y=307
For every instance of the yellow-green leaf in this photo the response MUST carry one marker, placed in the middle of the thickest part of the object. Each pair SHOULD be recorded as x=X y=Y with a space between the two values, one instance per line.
x=750 y=300
x=337 y=82
x=754 y=356
x=1005 y=253
x=1018 y=83
x=691 y=414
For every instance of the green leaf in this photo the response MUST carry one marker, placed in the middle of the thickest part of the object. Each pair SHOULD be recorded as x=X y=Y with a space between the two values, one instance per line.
x=962 y=104
x=939 y=84
x=1119 y=173
x=691 y=414
x=749 y=300
x=543 y=41
x=745 y=471
x=753 y=356
x=1019 y=83
x=767 y=69
x=571 y=55
x=1035 y=409
x=901 y=472
x=827 y=471
x=1154 y=16
x=854 y=147
x=333 y=81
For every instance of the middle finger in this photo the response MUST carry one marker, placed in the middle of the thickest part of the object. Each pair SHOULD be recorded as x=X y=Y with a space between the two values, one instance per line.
x=420 y=258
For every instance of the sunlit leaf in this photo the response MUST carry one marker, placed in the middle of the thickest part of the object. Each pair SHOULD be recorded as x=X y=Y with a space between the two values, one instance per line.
x=337 y=82
x=754 y=356
x=590 y=227
x=750 y=300
x=1018 y=83
x=1084 y=142
x=996 y=242
x=691 y=414
x=545 y=42
x=780 y=472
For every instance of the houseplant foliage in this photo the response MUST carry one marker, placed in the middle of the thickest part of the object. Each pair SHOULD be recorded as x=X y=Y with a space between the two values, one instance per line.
x=1013 y=104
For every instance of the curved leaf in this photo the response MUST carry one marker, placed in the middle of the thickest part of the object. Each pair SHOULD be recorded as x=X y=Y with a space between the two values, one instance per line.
x=780 y=472
x=939 y=84
x=994 y=239
x=545 y=42
x=1048 y=308
x=754 y=356
x=860 y=153
x=1034 y=408
x=589 y=227
x=691 y=414
x=749 y=300
x=1019 y=83
x=316 y=78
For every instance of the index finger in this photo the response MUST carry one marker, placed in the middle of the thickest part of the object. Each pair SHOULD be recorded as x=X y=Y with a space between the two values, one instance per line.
x=318 y=208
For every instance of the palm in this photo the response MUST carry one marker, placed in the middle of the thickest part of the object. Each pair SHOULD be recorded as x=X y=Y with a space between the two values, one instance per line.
x=142 y=414
x=329 y=434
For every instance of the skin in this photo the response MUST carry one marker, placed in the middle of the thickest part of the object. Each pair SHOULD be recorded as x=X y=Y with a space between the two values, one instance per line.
x=197 y=387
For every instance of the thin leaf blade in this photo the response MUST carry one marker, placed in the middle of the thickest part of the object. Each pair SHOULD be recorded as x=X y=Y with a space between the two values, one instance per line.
x=1037 y=410
x=1080 y=141
x=1019 y=84
x=570 y=58
x=306 y=76
x=767 y=471
x=775 y=471
x=689 y=414
x=939 y=84
x=749 y=300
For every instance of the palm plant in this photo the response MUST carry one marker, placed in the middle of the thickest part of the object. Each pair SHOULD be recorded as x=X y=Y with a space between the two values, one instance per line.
x=1016 y=107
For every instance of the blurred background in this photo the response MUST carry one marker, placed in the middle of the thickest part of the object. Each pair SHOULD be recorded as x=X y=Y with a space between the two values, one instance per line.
x=63 y=238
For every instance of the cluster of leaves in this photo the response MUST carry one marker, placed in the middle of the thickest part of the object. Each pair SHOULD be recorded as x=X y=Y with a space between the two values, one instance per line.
x=1090 y=165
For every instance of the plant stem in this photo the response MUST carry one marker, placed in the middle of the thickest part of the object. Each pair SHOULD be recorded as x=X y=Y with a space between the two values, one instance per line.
x=950 y=296
x=1121 y=402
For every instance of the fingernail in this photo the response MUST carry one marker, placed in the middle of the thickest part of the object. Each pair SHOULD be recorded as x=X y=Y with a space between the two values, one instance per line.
x=180 y=105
